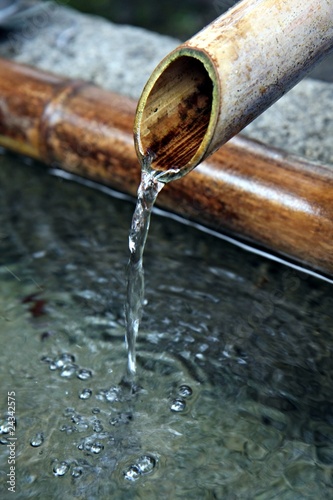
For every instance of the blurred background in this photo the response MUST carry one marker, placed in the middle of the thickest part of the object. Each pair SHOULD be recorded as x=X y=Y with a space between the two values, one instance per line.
x=180 y=19
x=177 y=18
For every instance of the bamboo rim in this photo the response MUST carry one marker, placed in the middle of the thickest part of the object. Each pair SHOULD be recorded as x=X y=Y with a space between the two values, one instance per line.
x=179 y=69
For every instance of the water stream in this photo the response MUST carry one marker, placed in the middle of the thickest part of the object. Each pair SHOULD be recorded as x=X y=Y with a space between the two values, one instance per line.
x=147 y=194
x=151 y=184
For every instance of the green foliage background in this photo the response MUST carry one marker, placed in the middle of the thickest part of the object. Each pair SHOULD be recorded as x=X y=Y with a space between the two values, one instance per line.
x=178 y=18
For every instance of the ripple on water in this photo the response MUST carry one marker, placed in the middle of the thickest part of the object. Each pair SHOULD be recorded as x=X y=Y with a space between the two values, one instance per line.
x=258 y=422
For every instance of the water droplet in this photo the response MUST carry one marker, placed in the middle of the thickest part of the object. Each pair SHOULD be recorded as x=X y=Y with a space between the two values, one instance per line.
x=146 y=464
x=64 y=359
x=4 y=441
x=60 y=468
x=95 y=410
x=178 y=405
x=185 y=391
x=85 y=394
x=77 y=472
x=84 y=374
x=132 y=474
x=68 y=371
x=38 y=440
x=52 y=366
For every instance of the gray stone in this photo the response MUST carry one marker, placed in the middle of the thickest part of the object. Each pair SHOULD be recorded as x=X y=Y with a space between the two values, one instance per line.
x=121 y=58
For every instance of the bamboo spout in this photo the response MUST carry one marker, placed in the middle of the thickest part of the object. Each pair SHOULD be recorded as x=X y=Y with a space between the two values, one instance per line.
x=264 y=196
x=212 y=86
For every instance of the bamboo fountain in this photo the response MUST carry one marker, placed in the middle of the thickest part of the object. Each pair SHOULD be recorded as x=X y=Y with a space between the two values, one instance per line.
x=265 y=196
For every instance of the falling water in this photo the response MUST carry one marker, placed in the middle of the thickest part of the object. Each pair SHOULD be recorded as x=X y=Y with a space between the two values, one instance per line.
x=148 y=190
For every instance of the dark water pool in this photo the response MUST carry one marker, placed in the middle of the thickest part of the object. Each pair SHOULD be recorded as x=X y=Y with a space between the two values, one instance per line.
x=251 y=341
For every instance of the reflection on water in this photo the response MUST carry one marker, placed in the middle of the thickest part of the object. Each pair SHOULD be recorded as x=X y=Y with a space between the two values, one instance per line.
x=234 y=390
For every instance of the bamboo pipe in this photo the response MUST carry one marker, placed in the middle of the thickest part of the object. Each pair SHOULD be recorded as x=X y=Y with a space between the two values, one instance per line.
x=265 y=196
x=212 y=86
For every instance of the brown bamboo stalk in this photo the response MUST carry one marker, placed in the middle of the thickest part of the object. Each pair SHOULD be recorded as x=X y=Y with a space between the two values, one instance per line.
x=282 y=203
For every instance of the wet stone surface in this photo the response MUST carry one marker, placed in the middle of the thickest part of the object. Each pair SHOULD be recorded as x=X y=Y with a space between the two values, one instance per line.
x=242 y=345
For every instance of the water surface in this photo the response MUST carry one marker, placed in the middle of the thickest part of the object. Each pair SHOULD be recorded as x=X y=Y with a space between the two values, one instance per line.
x=234 y=392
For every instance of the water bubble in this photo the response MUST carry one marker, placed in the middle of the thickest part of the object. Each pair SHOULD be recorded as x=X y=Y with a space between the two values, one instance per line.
x=60 y=469
x=82 y=426
x=101 y=395
x=69 y=429
x=84 y=374
x=97 y=426
x=68 y=412
x=96 y=447
x=46 y=359
x=146 y=464
x=64 y=359
x=77 y=471
x=132 y=474
x=178 y=405
x=185 y=391
x=4 y=426
x=76 y=418
x=113 y=394
x=7 y=423
x=68 y=371
x=38 y=440
x=121 y=418
x=85 y=394
x=90 y=445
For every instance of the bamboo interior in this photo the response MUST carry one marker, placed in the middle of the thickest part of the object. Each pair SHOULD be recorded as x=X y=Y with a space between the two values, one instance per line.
x=176 y=114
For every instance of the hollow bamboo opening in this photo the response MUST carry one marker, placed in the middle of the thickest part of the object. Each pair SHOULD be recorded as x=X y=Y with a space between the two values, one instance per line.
x=174 y=113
